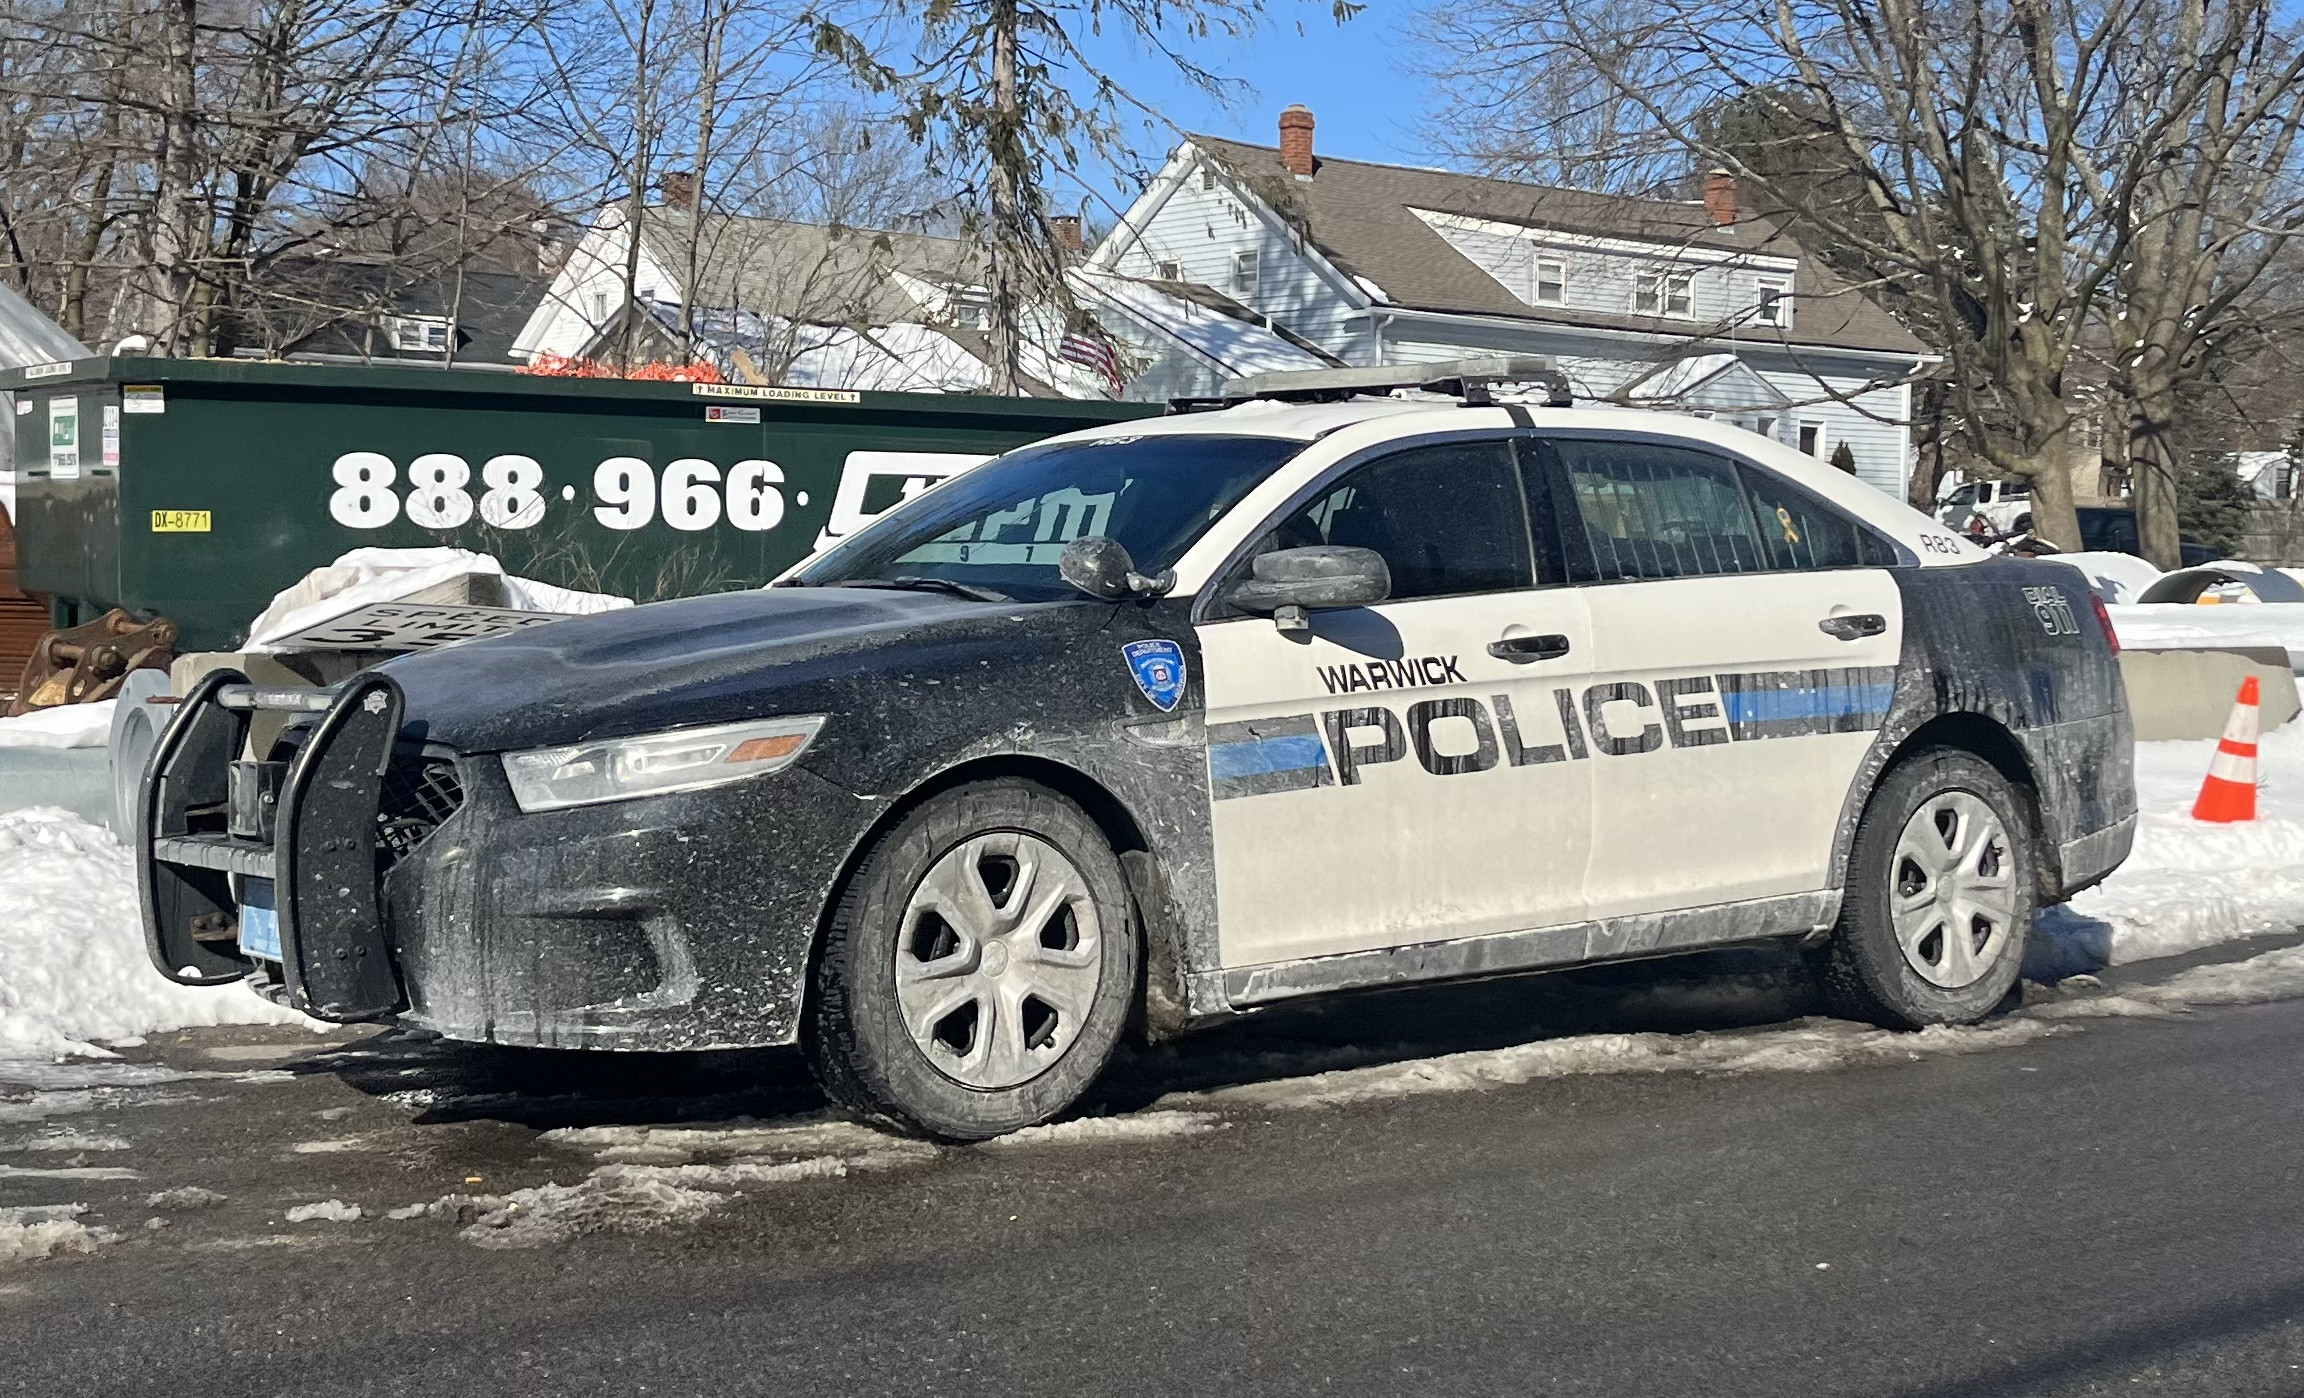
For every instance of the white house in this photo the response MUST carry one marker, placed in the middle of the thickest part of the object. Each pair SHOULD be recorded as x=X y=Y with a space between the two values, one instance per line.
x=1646 y=302
x=806 y=305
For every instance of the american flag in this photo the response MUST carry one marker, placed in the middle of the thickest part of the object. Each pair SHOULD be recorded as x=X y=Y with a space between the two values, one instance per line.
x=1093 y=352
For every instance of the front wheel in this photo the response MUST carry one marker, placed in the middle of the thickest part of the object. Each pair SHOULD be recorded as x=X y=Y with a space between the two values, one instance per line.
x=1939 y=900
x=979 y=969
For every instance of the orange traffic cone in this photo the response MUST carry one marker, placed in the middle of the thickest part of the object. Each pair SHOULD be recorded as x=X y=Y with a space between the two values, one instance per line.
x=2230 y=792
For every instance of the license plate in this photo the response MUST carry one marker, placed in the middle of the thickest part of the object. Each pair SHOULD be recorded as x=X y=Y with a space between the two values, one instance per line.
x=259 y=921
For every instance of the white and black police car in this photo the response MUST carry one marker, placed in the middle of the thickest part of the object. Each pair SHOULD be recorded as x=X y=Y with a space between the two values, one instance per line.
x=1149 y=725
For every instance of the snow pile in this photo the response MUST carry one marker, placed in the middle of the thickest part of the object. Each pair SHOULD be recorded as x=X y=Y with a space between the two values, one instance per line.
x=65 y=726
x=2190 y=626
x=2117 y=577
x=634 y=1198
x=47 y=1230
x=1805 y=1046
x=2189 y=884
x=1108 y=1130
x=190 y=1196
x=678 y=1145
x=66 y=1140
x=326 y=1211
x=73 y=968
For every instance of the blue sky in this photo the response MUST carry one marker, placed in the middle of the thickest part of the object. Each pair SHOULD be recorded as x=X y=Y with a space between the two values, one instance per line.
x=1366 y=103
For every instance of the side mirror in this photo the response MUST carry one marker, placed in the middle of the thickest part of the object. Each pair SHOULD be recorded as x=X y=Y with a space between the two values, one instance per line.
x=1286 y=583
x=1101 y=567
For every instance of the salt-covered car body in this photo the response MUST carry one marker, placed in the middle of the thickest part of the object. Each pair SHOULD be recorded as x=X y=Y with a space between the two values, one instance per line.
x=1639 y=707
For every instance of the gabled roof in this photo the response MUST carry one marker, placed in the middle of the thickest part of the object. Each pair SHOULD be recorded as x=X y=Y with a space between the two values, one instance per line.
x=1228 y=335
x=806 y=271
x=1362 y=217
x=1718 y=382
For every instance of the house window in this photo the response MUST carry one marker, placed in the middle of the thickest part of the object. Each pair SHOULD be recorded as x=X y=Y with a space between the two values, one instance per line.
x=1246 y=269
x=969 y=308
x=1670 y=294
x=422 y=334
x=1170 y=271
x=1207 y=178
x=1812 y=438
x=1551 y=283
x=1774 y=306
x=599 y=308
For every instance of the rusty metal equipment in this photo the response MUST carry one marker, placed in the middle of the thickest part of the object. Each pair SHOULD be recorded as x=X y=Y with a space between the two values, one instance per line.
x=86 y=664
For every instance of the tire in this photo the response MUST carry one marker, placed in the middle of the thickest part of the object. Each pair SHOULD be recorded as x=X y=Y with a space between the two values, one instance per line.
x=2023 y=524
x=1007 y=912
x=1913 y=971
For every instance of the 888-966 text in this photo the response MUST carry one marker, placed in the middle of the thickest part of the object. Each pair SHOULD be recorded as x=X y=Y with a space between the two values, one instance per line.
x=692 y=494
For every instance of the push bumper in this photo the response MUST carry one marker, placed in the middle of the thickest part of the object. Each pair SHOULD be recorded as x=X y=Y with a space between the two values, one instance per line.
x=410 y=886
x=209 y=822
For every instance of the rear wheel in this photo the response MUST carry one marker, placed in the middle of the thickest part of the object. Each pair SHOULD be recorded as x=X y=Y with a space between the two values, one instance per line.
x=979 y=970
x=1940 y=897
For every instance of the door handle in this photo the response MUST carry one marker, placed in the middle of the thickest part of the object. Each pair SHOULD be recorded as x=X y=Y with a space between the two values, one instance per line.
x=1522 y=649
x=1853 y=628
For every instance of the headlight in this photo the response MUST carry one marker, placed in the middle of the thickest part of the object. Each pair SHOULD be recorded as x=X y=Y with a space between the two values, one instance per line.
x=686 y=759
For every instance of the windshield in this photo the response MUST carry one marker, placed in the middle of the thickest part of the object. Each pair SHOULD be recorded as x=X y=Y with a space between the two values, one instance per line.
x=1002 y=525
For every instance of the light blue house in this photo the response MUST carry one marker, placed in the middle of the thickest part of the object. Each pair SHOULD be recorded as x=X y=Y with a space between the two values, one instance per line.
x=1691 y=305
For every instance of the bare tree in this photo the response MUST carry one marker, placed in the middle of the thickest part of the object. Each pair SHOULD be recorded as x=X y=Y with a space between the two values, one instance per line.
x=2028 y=171
x=1003 y=97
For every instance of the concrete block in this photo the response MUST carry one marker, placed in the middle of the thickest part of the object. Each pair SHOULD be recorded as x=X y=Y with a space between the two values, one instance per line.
x=2188 y=693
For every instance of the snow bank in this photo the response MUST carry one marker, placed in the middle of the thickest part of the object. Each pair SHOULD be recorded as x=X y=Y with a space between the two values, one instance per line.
x=2189 y=884
x=2183 y=625
x=72 y=961
x=65 y=726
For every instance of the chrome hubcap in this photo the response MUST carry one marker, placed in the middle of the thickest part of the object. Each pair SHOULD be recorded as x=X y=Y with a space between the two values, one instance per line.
x=999 y=960
x=1953 y=900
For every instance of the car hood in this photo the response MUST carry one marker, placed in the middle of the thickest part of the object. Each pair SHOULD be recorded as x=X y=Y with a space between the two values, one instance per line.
x=718 y=659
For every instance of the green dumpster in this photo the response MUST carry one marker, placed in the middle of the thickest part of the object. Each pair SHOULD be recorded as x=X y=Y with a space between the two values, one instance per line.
x=196 y=489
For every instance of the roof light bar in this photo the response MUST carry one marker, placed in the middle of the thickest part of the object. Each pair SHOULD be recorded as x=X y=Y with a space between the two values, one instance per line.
x=1468 y=379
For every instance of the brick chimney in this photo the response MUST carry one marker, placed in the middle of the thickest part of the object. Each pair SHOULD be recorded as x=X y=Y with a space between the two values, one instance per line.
x=1296 y=140
x=679 y=187
x=1720 y=197
x=1067 y=228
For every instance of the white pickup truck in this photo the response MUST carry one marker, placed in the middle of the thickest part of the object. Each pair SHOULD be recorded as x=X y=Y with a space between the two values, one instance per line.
x=1992 y=509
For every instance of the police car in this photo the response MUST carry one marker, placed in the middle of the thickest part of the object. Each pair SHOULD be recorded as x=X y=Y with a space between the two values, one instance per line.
x=1150 y=725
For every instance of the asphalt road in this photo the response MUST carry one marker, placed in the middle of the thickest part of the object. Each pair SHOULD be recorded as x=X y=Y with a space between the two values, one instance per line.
x=2118 y=1208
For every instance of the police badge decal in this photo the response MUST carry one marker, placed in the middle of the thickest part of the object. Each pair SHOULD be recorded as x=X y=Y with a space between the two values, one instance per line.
x=1158 y=667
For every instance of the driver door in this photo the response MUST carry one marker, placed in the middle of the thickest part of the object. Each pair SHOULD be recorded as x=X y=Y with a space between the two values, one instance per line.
x=1387 y=780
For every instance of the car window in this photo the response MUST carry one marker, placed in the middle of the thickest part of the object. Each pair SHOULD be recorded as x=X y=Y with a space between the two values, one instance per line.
x=1004 y=524
x=1654 y=511
x=1448 y=519
x=1797 y=532
x=1965 y=495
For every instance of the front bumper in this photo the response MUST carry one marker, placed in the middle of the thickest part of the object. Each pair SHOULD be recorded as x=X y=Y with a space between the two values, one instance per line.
x=682 y=921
